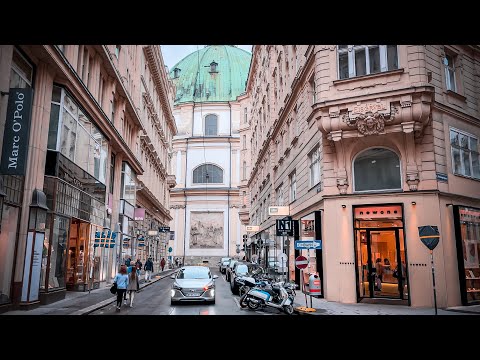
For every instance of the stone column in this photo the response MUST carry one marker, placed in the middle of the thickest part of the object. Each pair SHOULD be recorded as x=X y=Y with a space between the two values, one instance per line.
x=35 y=169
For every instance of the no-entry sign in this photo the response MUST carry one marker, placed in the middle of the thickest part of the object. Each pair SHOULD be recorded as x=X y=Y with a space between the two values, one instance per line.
x=301 y=262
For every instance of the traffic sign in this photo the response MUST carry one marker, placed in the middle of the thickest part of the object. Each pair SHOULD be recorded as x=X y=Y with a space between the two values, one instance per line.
x=284 y=227
x=308 y=244
x=170 y=249
x=164 y=229
x=301 y=262
x=429 y=235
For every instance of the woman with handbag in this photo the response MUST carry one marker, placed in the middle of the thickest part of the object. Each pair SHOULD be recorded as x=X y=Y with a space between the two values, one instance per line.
x=121 y=279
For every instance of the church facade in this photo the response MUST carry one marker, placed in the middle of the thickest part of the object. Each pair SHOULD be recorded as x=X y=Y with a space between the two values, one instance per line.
x=206 y=154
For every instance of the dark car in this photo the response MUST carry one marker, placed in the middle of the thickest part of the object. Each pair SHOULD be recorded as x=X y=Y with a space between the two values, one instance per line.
x=222 y=265
x=229 y=268
x=242 y=269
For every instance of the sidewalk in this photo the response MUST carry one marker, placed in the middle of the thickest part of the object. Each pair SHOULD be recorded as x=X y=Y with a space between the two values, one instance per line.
x=324 y=307
x=83 y=303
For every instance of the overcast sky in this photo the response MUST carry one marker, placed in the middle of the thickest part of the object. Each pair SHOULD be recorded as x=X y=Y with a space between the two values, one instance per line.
x=174 y=53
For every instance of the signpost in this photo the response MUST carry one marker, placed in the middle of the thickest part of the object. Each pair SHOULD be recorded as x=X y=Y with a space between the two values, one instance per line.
x=308 y=244
x=301 y=262
x=430 y=237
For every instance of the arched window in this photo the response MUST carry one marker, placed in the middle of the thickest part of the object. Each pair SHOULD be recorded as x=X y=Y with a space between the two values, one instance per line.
x=211 y=125
x=377 y=169
x=208 y=173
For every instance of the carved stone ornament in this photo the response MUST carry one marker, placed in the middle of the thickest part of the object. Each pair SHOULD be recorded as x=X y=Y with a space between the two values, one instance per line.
x=370 y=123
x=342 y=185
x=177 y=207
x=412 y=181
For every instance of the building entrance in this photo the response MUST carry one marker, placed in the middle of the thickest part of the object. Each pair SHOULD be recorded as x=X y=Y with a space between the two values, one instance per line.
x=381 y=257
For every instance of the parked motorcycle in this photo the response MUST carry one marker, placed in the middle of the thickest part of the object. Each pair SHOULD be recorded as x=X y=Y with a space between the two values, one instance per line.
x=275 y=296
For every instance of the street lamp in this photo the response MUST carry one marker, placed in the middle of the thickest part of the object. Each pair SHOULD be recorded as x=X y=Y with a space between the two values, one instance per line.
x=38 y=211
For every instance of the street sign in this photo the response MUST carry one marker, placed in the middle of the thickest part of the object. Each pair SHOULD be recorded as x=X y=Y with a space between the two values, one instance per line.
x=429 y=235
x=278 y=210
x=164 y=229
x=308 y=244
x=284 y=227
x=301 y=262
x=252 y=228
x=170 y=249
x=152 y=232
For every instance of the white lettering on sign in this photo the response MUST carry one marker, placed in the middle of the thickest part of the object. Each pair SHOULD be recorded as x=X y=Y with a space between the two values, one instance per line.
x=370 y=107
x=16 y=127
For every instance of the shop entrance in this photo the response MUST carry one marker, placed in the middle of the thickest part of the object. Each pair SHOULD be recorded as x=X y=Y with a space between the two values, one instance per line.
x=78 y=245
x=380 y=247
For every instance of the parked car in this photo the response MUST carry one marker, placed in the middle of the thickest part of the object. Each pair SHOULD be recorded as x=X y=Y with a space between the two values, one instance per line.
x=229 y=268
x=222 y=265
x=242 y=269
x=193 y=283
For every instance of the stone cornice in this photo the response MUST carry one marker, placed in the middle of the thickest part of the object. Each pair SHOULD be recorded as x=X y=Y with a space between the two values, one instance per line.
x=207 y=140
x=180 y=192
x=157 y=69
x=146 y=192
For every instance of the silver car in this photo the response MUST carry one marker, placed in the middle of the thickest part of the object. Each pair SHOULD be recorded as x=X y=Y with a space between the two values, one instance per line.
x=193 y=283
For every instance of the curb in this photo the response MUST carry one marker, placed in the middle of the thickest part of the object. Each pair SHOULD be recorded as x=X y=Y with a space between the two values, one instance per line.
x=317 y=312
x=106 y=302
x=463 y=311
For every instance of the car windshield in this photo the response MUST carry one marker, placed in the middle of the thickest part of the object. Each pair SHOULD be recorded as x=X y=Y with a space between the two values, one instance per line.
x=242 y=269
x=196 y=273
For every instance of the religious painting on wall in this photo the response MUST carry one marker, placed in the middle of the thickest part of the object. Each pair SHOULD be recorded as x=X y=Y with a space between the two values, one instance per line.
x=206 y=230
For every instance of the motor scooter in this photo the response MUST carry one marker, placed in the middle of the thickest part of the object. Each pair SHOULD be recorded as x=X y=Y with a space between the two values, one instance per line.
x=275 y=296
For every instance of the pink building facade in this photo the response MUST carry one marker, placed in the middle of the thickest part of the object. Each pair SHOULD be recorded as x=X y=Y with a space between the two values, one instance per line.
x=365 y=144
x=91 y=170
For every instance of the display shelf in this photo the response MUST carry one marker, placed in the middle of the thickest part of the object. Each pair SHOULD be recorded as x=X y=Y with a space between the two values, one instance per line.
x=473 y=291
x=474 y=278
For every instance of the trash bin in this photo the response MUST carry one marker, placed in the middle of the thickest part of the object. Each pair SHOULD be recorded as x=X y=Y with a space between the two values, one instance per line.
x=314 y=286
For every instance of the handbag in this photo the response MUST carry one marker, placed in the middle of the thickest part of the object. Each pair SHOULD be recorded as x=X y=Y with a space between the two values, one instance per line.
x=113 y=289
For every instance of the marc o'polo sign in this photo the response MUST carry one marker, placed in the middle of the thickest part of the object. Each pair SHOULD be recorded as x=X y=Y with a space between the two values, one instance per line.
x=17 y=128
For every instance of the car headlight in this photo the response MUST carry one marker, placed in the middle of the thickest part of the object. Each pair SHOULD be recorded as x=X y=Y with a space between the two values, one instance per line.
x=209 y=286
x=176 y=287
x=172 y=293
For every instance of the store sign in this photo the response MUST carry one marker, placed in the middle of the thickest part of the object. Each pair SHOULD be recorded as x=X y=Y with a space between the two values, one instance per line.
x=252 y=228
x=278 y=210
x=17 y=129
x=127 y=209
x=378 y=212
x=308 y=228
x=139 y=214
x=172 y=235
x=469 y=215
x=429 y=236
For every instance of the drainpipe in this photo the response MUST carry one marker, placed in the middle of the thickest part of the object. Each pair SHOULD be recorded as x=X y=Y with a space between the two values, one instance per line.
x=185 y=203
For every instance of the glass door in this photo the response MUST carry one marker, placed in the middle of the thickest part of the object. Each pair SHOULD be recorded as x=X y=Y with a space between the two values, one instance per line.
x=383 y=251
x=381 y=263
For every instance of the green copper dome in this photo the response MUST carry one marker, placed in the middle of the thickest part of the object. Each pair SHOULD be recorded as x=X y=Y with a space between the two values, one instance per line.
x=214 y=73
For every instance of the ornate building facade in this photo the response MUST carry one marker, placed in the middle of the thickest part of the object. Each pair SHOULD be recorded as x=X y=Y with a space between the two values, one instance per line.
x=93 y=164
x=365 y=144
x=206 y=153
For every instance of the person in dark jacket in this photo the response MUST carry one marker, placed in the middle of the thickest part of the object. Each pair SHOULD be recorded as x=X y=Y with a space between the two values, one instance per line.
x=148 y=269
x=162 y=263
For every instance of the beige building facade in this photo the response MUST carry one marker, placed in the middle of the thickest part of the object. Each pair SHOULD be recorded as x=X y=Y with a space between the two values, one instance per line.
x=365 y=144
x=96 y=153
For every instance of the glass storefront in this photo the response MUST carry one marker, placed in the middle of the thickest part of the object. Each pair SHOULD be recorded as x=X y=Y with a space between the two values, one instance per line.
x=380 y=252
x=8 y=236
x=467 y=231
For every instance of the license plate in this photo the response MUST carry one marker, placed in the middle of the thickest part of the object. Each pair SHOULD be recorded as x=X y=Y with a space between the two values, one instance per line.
x=191 y=294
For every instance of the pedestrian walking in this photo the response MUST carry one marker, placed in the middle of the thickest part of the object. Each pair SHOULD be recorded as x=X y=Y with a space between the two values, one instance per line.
x=148 y=269
x=138 y=266
x=176 y=262
x=121 y=279
x=128 y=260
x=133 y=286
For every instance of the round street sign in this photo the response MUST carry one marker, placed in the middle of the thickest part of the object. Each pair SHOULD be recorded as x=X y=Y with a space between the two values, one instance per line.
x=170 y=249
x=301 y=262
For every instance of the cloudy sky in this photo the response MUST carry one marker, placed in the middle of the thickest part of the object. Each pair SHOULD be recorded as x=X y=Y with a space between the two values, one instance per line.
x=174 y=53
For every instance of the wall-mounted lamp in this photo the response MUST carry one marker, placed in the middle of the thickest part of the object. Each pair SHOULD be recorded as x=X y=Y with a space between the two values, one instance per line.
x=449 y=204
x=414 y=203
x=344 y=206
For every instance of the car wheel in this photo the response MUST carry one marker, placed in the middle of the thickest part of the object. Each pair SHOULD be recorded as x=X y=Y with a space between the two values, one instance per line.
x=212 y=302
x=173 y=302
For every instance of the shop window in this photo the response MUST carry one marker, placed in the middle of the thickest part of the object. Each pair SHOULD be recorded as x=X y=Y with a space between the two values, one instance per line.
x=377 y=169
x=358 y=60
x=465 y=155
x=208 y=174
